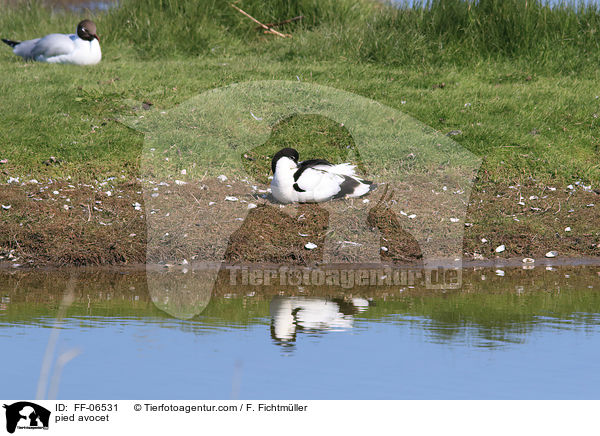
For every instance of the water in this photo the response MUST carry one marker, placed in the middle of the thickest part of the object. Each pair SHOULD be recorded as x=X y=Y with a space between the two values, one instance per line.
x=553 y=3
x=530 y=334
x=102 y=6
x=82 y=6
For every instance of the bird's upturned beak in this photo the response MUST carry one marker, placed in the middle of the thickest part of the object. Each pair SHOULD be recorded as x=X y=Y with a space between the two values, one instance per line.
x=96 y=36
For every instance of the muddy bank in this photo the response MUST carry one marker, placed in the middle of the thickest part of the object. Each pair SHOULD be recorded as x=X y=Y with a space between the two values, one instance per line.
x=59 y=223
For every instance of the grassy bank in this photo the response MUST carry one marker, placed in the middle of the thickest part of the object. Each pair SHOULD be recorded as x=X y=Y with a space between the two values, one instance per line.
x=516 y=80
x=563 y=37
x=523 y=123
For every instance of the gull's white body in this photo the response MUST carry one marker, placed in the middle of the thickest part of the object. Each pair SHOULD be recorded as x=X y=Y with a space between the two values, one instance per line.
x=60 y=48
x=319 y=183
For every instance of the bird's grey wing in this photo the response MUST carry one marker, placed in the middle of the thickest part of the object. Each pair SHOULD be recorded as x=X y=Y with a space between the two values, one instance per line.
x=55 y=44
x=25 y=48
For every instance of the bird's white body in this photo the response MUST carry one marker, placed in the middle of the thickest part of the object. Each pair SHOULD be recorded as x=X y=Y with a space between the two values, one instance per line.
x=316 y=183
x=59 y=48
x=288 y=314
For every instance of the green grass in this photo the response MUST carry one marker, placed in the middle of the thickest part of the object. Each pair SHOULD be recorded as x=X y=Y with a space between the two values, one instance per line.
x=520 y=82
x=317 y=136
x=564 y=37
x=71 y=113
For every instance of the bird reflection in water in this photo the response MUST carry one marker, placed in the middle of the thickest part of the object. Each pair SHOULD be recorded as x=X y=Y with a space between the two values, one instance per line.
x=290 y=315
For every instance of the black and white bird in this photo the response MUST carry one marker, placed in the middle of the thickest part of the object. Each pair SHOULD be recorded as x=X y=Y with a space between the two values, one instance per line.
x=81 y=48
x=290 y=315
x=314 y=180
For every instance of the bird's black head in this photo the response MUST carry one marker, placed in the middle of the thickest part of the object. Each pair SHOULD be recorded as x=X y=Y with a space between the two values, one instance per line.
x=284 y=152
x=86 y=30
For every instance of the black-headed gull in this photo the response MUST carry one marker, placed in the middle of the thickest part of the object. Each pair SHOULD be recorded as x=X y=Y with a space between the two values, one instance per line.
x=314 y=180
x=83 y=48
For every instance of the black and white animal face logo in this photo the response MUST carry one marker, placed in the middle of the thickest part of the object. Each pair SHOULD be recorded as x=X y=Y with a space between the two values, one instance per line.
x=26 y=415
